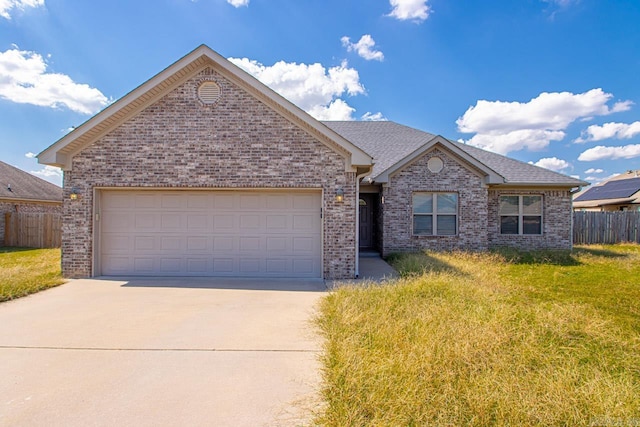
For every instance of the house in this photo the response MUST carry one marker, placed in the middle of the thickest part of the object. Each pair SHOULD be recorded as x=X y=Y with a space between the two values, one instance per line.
x=23 y=192
x=203 y=170
x=620 y=193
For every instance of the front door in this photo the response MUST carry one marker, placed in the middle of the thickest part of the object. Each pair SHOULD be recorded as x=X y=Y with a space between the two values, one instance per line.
x=366 y=203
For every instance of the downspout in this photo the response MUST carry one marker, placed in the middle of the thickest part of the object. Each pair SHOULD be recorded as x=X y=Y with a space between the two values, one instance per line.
x=362 y=175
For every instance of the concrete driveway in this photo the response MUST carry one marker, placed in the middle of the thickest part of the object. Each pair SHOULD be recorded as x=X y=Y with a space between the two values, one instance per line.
x=161 y=352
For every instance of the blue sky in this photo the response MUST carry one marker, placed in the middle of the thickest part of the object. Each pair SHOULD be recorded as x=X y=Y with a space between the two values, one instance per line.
x=552 y=82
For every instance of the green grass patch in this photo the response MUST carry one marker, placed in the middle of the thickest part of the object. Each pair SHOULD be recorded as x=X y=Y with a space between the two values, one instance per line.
x=502 y=338
x=24 y=271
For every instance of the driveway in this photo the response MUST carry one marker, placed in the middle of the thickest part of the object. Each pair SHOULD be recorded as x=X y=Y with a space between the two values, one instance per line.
x=161 y=352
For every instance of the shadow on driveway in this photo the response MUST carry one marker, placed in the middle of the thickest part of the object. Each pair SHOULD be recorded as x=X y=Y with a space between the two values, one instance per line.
x=235 y=283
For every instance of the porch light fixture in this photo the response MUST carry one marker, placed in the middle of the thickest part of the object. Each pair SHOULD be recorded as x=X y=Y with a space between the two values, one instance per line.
x=339 y=195
x=74 y=193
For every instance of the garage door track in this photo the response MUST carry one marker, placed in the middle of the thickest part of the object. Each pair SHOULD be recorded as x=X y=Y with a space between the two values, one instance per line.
x=161 y=352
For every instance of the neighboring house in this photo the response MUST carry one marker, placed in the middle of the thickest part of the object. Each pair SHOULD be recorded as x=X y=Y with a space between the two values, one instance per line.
x=22 y=192
x=203 y=170
x=620 y=193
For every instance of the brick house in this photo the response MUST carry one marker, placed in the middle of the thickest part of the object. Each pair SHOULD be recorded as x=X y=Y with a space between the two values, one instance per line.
x=22 y=192
x=203 y=170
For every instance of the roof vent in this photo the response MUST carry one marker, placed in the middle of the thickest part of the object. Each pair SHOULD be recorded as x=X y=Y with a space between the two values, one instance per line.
x=435 y=164
x=209 y=92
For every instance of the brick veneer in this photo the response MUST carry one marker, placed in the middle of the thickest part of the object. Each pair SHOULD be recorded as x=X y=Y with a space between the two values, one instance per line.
x=23 y=206
x=239 y=142
x=557 y=227
x=455 y=177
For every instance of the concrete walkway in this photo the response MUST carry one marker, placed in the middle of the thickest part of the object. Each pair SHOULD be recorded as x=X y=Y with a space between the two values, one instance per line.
x=161 y=352
x=374 y=268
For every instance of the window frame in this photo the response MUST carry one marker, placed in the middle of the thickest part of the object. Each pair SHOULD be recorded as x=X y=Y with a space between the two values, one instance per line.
x=434 y=213
x=521 y=215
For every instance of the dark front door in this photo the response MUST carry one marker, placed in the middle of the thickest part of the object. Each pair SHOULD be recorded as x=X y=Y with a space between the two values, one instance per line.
x=366 y=203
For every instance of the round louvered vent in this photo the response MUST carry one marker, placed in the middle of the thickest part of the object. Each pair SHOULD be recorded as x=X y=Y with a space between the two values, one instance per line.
x=209 y=92
x=435 y=164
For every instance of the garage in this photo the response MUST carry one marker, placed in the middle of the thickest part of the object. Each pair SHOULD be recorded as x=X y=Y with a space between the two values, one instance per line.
x=240 y=233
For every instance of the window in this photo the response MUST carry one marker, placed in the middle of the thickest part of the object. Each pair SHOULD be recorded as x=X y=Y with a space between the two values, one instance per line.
x=520 y=214
x=435 y=214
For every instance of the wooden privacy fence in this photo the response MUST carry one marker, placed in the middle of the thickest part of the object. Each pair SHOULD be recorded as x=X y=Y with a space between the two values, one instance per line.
x=606 y=227
x=33 y=230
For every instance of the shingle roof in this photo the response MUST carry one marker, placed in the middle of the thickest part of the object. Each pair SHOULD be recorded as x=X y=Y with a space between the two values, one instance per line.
x=26 y=186
x=389 y=142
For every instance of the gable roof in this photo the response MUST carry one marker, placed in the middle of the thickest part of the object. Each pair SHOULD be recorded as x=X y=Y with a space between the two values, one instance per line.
x=61 y=152
x=19 y=185
x=393 y=145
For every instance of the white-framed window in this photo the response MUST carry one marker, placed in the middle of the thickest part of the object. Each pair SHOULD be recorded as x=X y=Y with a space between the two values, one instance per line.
x=435 y=214
x=520 y=214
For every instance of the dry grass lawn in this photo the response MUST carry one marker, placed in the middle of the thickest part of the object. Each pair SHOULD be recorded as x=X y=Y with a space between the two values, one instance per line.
x=508 y=338
x=24 y=271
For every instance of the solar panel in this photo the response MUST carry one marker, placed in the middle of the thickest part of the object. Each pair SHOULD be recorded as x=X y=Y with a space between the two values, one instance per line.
x=619 y=189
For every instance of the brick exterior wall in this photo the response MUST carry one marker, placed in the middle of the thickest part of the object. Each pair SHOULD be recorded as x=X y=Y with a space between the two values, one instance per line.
x=557 y=226
x=456 y=178
x=239 y=142
x=21 y=206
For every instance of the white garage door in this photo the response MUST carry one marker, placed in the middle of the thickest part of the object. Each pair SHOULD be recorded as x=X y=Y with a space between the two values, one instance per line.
x=210 y=233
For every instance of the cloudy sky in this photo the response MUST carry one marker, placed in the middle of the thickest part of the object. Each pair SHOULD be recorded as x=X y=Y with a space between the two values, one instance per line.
x=552 y=82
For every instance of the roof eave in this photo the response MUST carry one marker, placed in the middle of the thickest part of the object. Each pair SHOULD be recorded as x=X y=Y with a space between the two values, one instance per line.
x=543 y=184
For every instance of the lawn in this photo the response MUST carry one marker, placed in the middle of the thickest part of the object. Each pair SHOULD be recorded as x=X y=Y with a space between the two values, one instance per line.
x=507 y=338
x=24 y=271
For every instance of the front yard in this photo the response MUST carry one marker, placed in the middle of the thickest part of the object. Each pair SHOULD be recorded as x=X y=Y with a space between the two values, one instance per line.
x=24 y=271
x=506 y=338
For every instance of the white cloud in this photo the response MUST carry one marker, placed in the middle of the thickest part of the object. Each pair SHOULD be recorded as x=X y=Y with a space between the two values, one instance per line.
x=562 y=3
x=365 y=47
x=503 y=143
x=600 y=153
x=24 y=80
x=30 y=155
x=511 y=126
x=312 y=87
x=373 y=117
x=609 y=130
x=552 y=163
x=238 y=3
x=7 y=5
x=413 y=10
x=49 y=173
x=592 y=170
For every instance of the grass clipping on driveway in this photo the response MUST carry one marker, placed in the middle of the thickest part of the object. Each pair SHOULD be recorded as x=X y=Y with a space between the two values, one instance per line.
x=26 y=271
x=487 y=339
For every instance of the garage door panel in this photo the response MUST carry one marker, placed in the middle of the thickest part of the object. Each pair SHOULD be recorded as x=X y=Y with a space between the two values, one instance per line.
x=277 y=244
x=302 y=266
x=146 y=220
x=249 y=222
x=144 y=243
x=277 y=223
x=116 y=242
x=250 y=266
x=171 y=265
x=197 y=222
x=210 y=233
x=251 y=244
x=224 y=266
x=171 y=243
x=197 y=243
x=148 y=201
x=224 y=223
x=168 y=201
